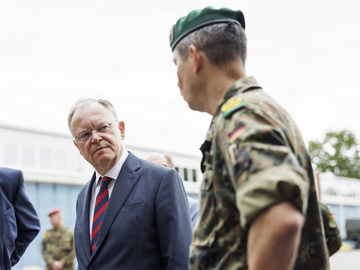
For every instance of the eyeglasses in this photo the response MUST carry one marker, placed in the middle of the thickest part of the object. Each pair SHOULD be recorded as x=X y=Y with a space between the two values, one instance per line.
x=102 y=128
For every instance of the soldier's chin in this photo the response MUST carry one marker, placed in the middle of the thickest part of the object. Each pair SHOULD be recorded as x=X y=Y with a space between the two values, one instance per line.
x=193 y=107
x=190 y=103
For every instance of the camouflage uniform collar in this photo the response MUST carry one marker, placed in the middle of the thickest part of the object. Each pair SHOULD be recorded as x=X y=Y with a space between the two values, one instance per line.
x=59 y=230
x=240 y=86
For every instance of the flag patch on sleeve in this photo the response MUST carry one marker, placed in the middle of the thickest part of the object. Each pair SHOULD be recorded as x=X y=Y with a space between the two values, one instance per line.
x=236 y=134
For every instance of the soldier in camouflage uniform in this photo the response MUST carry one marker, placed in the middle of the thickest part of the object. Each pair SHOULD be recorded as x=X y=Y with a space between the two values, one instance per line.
x=258 y=207
x=332 y=234
x=57 y=246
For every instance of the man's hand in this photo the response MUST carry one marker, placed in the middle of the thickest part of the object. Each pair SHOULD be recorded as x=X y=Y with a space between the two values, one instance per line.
x=57 y=265
x=274 y=238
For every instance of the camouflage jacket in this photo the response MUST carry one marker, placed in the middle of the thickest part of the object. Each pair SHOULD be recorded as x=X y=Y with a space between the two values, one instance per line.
x=253 y=157
x=58 y=245
x=332 y=234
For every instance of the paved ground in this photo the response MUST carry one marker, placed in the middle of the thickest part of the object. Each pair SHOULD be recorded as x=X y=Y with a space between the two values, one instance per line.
x=345 y=260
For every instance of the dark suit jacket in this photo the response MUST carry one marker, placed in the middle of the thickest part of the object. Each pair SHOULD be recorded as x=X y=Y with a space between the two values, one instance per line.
x=19 y=223
x=146 y=224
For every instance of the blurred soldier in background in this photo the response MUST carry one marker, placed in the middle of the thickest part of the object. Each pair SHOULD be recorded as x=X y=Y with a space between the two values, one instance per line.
x=166 y=160
x=332 y=234
x=58 y=247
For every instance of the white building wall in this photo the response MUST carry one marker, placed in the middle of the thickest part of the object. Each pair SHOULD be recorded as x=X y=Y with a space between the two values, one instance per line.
x=46 y=157
x=339 y=190
x=343 y=196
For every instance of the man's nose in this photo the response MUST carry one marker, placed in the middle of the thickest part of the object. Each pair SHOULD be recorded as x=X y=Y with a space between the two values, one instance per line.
x=95 y=136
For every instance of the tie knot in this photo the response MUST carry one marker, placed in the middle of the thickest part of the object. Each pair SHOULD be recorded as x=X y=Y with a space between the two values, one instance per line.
x=105 y=181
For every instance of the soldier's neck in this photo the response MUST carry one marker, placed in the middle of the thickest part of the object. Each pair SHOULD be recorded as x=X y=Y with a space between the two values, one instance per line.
x=221 y=83
x=59 y=227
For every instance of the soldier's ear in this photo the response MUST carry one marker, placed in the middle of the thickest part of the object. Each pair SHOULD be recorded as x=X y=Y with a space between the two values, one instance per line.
x=196 y=58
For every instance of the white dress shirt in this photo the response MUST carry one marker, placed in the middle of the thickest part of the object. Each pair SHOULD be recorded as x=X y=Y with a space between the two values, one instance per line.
x=113 y=174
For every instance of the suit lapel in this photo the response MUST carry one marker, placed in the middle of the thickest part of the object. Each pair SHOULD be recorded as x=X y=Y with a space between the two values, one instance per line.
x=86 y=219
x=126 y=181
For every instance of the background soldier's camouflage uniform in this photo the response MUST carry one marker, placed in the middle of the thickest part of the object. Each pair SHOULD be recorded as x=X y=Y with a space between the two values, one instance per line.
x=332 y=234
x=58 y=245
x=253 y=158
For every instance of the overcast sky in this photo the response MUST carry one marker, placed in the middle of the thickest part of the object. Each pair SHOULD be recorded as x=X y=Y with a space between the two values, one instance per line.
x=305 y=54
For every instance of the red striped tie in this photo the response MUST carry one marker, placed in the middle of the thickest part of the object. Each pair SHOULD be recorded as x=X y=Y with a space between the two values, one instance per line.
x=100 y=205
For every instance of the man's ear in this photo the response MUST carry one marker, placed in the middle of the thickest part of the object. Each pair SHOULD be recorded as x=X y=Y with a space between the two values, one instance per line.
x=122 y=129
x=196 y=58
x=77 y=147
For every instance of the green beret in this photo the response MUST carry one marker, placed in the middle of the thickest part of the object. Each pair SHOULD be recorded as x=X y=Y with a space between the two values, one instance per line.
x=197 y=19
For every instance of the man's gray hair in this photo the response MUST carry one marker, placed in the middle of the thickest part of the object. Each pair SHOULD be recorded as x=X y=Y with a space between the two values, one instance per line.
x=222 y=43
x=170 y=163
x=81 y=102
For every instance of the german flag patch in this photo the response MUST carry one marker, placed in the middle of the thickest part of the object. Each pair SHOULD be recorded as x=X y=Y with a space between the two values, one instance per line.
x=332 y=222
x=236 y=134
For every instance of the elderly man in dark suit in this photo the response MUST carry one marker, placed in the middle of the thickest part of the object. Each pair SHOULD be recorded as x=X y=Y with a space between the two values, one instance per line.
x=19 y=223
x=132 y=214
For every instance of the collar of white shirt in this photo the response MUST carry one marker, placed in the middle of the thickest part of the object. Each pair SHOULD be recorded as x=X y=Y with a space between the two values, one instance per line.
x=114 y=172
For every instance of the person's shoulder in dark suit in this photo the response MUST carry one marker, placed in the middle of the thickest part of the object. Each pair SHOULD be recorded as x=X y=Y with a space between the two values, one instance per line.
x=19 y=223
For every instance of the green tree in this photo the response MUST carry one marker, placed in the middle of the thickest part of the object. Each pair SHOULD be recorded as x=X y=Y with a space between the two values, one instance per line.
x=337 y=153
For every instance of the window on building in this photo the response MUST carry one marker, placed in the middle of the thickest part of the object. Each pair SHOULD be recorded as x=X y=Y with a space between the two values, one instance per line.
x=177 y=169
x=75 y=164
x=28 y=156
x=10 y=152
x=45 y=158
x=186 y=174
x=60 y=160
x=194 y=175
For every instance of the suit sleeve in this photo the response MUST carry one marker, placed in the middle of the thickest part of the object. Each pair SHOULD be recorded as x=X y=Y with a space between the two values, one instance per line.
x=194 y=210
x=28 y=224
x=173 y=221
